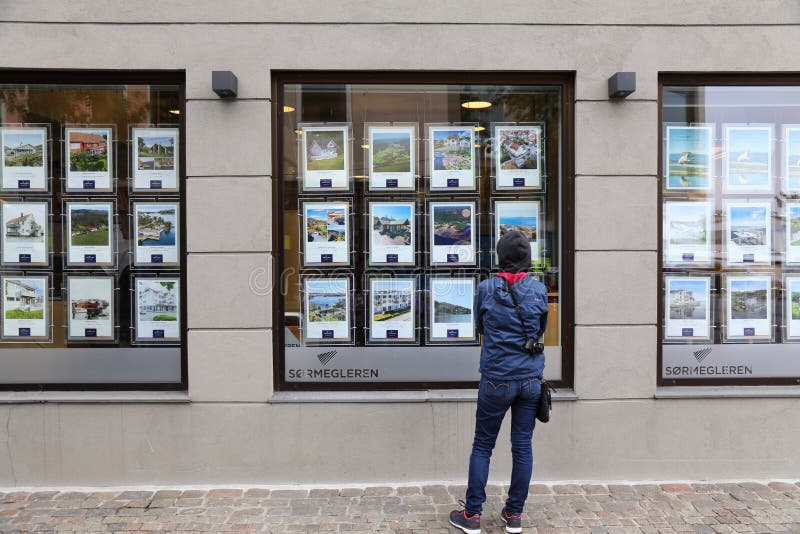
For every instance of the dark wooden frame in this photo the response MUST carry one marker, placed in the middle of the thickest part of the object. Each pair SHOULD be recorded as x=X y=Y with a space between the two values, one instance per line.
x=122 y=77
x=700 y=79
x=564 y=80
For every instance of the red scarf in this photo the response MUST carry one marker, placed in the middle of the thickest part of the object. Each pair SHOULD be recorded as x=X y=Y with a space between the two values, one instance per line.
x=512 y=278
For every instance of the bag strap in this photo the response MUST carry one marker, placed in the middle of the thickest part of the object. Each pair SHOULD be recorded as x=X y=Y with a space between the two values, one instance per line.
x=516 y=306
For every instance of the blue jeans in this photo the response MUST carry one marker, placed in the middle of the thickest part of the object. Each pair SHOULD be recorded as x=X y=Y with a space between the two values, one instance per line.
x=495 y=397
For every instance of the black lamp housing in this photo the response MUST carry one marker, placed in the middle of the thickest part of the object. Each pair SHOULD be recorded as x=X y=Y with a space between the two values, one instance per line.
x=224 y=83
x=621 y=84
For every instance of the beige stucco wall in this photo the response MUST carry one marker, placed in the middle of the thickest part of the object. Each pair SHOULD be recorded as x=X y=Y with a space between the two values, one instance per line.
x=230 y=432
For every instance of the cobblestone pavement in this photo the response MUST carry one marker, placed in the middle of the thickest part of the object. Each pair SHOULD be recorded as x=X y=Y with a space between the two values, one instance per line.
x=595 y=508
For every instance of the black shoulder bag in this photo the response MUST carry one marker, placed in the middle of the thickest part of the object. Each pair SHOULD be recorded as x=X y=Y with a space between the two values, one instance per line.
x=534 y=347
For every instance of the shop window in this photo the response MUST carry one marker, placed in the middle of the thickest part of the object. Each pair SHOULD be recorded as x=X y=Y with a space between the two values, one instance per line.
x=730 y=231
x=394 y=188
x=92 y=259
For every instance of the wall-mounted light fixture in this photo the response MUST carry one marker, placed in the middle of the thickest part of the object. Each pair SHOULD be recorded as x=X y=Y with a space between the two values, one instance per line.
x=621 y=84
x=224 y=83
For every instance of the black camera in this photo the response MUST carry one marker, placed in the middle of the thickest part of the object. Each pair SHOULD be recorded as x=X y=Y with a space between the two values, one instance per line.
x=534 y=347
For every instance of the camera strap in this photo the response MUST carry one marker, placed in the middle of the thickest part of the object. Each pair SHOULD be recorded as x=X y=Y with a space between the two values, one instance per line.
x=516 y=307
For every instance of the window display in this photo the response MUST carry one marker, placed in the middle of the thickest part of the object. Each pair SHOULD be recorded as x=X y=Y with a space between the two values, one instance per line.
x=26 y=234
x=92 y=230
x=25 y=161
x=88 y=158
x=380 y=249
x=792 y=310
x=730 y=247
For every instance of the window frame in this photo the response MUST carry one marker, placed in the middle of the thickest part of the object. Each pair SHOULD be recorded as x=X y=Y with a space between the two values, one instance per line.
x=703 y=79
x=566 y=82
x=122 y=77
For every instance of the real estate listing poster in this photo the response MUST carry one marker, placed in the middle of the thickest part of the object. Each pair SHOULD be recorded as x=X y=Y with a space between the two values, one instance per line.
x=90 y=233
x=156 y=228
x=392 y=313
x=688 y=157
x=91 y=308
x=522 y=216
x=518 y=157
x=451 y=309
x=452 y=233
x=748 y=307
x=326 y=158
x=25 y=233
x=791 y=158
x=792 y=311
x=88 y=158
x=687 y=316
x=451 y=158
x=25 y=308
x=793 y=233
x=392 y=157
x=688 y=232
x=327 y=310
x=24 y=164
x=158 y=315
x=748 y=164
x=155 y=159
x=748 y=233
x=327 y=233
x=392 y=233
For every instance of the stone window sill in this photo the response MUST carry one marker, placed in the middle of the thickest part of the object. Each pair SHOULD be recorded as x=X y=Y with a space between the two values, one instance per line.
x=435 y=395
x=91 y=397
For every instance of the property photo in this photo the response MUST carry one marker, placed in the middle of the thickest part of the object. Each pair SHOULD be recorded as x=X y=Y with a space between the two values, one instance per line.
x=88 y=150
x=688 y=299
x=749 y=157
x=327 y=304
x=688 y=223
x=518 y=216
x=24 y=228
x=793 y=226
x=391 y=151
x=24 y=298
x=452 y=306
x=794 y=298
x=157 y=300
x=689 y=157
x=748 y=299
x=325 y=150
x=452 y=149
x=155 y=152
x=391 y=224
x=391 y=300
x=748 y=225
x=23 y=149
x=792 y=158
x=89 y=226
x=518 y=148
x=326 y=225
x=155 y=226
x=452 y=224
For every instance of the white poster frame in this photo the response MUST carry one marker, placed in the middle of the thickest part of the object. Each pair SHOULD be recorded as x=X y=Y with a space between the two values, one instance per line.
x=319 y=180
x=158 y=330
x=91 y=327
x=105 y=256
x=518 y=179
x=689 y=254
x=451 y=180
x=40 y=252
x=394 y=255
x=335 y=335
x=762 y=329
x=791 y=185
x=708 y=128
x=329 y=253
x=450 y=255
x=44 y=324
x=537 y=256
x=155 y=180
x=391 y=181
x=26 y=179
x=792 y=256
x=737 y=255
x=390 y=332
x=728 y=161
x=791 y=286
x=688 y=330
x=87 y=181
x=451 y=332
x=164 y=255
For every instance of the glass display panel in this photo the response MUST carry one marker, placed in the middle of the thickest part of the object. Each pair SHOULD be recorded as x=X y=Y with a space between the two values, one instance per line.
x=87 y=213
x=415 y=172
x=730 y=232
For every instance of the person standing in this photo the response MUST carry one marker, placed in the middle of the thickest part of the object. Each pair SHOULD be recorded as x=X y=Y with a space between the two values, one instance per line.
x=511 y=313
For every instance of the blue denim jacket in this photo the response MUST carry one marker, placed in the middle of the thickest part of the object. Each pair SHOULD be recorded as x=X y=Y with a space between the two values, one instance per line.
x=503 y=355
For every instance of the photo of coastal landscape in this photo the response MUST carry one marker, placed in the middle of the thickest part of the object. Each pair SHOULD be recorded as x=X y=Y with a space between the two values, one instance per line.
x=452 y=148
x=748 y=225
x=326 y=300
x=793 y=225
x=688 y=157
x=749 y=298
x=451 y=302
x=391 y=150
x=326 y=224
x=452 y=224
x=520 y=216
x=688 y=299
x=156 y=225
x=749 y=157
x=687 y=223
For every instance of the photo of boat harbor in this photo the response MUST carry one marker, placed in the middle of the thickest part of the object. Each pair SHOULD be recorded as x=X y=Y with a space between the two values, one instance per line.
x=688 y=299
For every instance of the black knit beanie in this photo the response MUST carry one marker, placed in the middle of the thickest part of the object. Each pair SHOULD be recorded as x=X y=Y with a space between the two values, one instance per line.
x=514 y=252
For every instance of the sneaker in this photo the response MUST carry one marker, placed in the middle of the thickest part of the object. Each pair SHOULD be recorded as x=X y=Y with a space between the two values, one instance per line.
x=513 y=521
x=471 y=524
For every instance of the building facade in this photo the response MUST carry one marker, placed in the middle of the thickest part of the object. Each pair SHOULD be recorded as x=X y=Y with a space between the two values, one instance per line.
x=229 y=398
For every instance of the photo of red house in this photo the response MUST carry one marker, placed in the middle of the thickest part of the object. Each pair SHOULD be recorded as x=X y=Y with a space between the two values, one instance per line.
x=91 y=143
